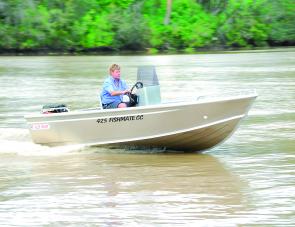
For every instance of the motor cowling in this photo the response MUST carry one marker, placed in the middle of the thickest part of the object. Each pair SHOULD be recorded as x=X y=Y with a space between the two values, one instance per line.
x=54 y=108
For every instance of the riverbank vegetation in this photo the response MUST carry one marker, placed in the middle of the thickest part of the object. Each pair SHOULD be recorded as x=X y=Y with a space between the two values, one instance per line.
x=75 y=26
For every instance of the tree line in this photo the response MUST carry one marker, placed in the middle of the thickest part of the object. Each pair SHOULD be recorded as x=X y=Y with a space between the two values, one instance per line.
x=139 y=25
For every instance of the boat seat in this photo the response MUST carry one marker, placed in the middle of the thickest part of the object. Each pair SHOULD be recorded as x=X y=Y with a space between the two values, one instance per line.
x=100 y=103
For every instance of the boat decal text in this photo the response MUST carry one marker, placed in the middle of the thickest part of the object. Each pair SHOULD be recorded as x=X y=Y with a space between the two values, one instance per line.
x=119 y=119
x=40 y=126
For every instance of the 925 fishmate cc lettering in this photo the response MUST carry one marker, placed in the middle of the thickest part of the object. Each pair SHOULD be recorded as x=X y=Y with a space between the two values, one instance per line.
x=119 y=119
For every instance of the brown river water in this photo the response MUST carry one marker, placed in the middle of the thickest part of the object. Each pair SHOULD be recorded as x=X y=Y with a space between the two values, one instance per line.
x=248 y=180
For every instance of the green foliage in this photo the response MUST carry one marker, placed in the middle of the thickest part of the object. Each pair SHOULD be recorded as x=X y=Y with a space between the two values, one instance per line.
x=130 y=28
x=190 y=26
x=282 y=18
x=139 y=24
x=242 y=24
x=93 y=30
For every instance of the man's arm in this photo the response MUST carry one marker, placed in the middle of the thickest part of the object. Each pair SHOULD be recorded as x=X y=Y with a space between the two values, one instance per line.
x=109 y=88
x=115 y=93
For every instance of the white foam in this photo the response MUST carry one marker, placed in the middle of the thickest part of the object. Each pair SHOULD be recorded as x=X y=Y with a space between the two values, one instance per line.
x=18 y=134
x=18 y=141
x=263 y=112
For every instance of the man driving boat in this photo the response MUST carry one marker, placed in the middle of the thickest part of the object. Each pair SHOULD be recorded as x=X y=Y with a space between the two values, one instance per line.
x=113 y=89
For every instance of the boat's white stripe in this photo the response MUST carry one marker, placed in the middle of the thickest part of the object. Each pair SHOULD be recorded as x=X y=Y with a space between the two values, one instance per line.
x=99 y=117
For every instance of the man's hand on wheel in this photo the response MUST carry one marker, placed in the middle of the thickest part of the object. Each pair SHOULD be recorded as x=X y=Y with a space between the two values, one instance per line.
x=126 y=92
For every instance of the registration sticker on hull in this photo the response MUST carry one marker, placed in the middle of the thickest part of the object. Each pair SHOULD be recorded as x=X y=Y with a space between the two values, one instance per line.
x=40 y=126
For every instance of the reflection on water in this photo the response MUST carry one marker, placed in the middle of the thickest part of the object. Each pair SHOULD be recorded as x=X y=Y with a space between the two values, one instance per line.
x=247 y=180
x=128 y=187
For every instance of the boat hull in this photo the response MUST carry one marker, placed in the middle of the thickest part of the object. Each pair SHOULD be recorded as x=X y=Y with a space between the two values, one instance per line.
x=198 y=139
x=186 y=126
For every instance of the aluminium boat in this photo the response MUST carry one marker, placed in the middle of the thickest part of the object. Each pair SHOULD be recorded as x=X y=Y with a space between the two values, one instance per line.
x=192 y=126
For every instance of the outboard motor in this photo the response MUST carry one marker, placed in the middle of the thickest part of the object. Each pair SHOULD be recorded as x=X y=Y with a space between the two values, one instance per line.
x=150 y=94
x=54 y=108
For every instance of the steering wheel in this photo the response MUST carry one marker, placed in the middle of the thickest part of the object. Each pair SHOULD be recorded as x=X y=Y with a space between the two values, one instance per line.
x=137 y=85
x=133 y=98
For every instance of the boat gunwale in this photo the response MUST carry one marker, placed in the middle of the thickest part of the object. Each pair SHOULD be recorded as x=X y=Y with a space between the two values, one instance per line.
x=156 y=106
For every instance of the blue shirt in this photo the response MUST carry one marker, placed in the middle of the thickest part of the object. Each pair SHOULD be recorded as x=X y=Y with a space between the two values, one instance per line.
x=109 y=86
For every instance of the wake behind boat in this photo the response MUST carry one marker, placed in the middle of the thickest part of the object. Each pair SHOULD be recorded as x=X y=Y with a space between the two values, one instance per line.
x=194 y=125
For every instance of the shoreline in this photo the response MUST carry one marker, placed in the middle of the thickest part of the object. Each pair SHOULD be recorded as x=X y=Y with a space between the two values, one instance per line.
x=48 y=52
